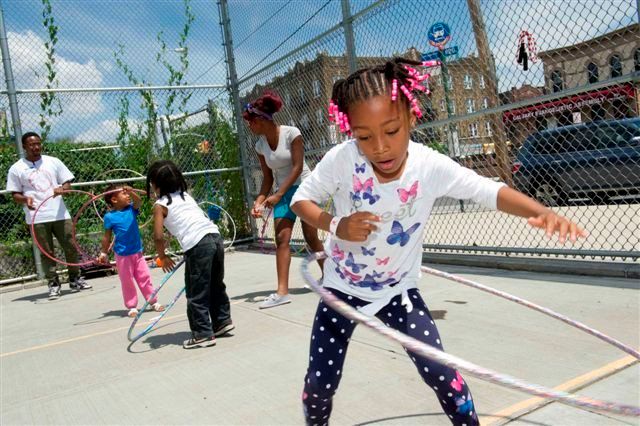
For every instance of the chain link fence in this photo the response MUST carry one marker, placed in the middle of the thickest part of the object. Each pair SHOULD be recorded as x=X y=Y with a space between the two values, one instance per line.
x=541 y=94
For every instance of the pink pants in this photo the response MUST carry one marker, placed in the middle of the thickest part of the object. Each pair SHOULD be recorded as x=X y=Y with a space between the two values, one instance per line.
x=130 y=268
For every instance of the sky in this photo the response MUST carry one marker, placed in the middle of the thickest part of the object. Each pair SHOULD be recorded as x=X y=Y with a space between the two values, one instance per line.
x=91 y=30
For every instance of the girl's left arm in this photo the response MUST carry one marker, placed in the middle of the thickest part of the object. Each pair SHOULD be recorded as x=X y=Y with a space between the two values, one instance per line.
x=159 y=214
x=516 y=203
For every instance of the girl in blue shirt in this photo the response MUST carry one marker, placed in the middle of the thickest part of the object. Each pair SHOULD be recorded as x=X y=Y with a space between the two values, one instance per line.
x=132 y=267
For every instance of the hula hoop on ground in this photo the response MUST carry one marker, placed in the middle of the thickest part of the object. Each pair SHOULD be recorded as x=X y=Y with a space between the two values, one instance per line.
x=73 y=233
x=453 y=361
x=233 y=223
x=132 y=338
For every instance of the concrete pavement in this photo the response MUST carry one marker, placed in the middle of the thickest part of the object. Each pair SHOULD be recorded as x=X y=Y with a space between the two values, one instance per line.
x=68 y=361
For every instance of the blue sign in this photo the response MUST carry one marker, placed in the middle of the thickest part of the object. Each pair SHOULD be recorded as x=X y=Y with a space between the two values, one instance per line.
x=430 y=56
x=439 y=34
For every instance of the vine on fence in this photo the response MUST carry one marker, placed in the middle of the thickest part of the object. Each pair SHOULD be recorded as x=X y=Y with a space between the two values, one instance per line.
x=50 y=105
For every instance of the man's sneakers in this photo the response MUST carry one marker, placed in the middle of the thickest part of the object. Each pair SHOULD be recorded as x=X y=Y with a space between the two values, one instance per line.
x=204 y=342
x=223 y=328
x=275 y=299
x=79 y=284
x=54 y=289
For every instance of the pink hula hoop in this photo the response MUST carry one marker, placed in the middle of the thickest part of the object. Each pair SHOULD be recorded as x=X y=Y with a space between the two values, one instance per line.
x=82 y=208
x=35 y=238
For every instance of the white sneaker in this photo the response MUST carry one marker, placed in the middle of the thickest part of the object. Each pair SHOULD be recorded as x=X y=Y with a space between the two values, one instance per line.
x=133 y=312
x=275 y=299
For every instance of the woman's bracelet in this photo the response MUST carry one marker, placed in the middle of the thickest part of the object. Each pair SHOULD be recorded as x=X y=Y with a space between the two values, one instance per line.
x=333 y=225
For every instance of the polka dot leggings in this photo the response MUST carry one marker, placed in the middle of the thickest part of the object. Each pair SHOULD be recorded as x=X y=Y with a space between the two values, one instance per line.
x=329 y=341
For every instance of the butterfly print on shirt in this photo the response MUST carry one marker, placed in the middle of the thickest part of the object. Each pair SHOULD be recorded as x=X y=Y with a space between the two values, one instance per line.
x=399 y=235
x=408 y=195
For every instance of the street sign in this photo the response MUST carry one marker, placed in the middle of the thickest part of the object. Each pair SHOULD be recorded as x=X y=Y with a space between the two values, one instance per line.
x=430 y=56
x=439 y=34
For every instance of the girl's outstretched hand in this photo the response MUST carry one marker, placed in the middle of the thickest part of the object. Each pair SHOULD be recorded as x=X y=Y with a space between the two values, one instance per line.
x=553 y=223
x=357 y=227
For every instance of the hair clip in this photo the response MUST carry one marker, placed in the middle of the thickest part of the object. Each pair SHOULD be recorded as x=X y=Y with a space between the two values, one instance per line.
x=394 y=90
x=429 y=64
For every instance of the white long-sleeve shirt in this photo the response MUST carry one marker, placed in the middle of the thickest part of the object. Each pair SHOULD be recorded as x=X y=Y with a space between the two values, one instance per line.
x=388 y=263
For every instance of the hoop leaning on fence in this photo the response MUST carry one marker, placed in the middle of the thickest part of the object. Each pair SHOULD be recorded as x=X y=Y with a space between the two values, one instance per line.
x=453 y=361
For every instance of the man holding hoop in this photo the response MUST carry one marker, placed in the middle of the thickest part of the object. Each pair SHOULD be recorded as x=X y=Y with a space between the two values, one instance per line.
x=32 y=180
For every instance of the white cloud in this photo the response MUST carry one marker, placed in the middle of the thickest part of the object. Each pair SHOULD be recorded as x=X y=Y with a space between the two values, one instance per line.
x=105 y=131
x=28 y=57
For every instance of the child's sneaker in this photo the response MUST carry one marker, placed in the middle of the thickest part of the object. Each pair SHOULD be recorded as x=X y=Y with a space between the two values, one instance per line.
x=223 y=328
x=133 y=312
x=157 y=307
x=275 y=299
x=204 y=342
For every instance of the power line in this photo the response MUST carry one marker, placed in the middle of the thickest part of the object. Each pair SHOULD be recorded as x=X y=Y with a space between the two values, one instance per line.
x=287 y=39
x=244 y=39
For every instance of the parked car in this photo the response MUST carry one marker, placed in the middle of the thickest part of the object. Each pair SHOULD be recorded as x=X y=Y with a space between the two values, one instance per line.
x=597 y=161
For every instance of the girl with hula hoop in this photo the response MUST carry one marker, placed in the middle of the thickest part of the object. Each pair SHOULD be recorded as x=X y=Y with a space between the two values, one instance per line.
x=281 y=153
x=121 y=221
x=383 y=187
x=208 y=307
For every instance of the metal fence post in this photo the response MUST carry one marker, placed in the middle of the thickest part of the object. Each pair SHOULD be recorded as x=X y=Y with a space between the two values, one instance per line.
x=347 y=24
x=15 y=114
x=235 y=98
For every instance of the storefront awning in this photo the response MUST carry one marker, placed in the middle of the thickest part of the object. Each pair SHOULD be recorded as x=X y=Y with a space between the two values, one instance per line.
x=571 y=103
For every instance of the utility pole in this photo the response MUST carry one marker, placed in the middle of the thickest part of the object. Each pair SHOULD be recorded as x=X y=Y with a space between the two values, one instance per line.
x=488 y=70
x=347 y=24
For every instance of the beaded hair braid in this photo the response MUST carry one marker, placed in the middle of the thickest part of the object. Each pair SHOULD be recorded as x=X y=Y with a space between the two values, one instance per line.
x=398 y=73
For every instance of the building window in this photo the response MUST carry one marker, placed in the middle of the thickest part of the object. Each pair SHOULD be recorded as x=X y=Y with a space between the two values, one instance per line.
x=470 y=106
x=319 y=116
x=616 y=66
x=636 y=60
x=449 y=82
x=442 y=105
x=452 y=106
x=592 y=73
x=481 y=79
x=316 y=88
x=488 y=128
x=304 y=121
x=556 y=81
x=301 y=93
x=473 y=130
x=485 y=103
x=468 y=81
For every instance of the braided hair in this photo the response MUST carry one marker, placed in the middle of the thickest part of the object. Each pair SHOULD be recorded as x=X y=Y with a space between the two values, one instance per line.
x=398 y=73
x=166 y=176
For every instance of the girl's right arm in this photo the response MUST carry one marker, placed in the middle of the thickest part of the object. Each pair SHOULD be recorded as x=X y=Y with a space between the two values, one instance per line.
x=355 y=227
x=159 y=213
x=104 y=246
x=267 y=183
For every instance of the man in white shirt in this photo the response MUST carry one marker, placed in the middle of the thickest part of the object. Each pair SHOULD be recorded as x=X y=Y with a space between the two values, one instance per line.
x=31 y=180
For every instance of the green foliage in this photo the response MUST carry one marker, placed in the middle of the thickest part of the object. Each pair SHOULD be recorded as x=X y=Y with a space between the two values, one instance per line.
x=50 y=105
x=177 y=75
